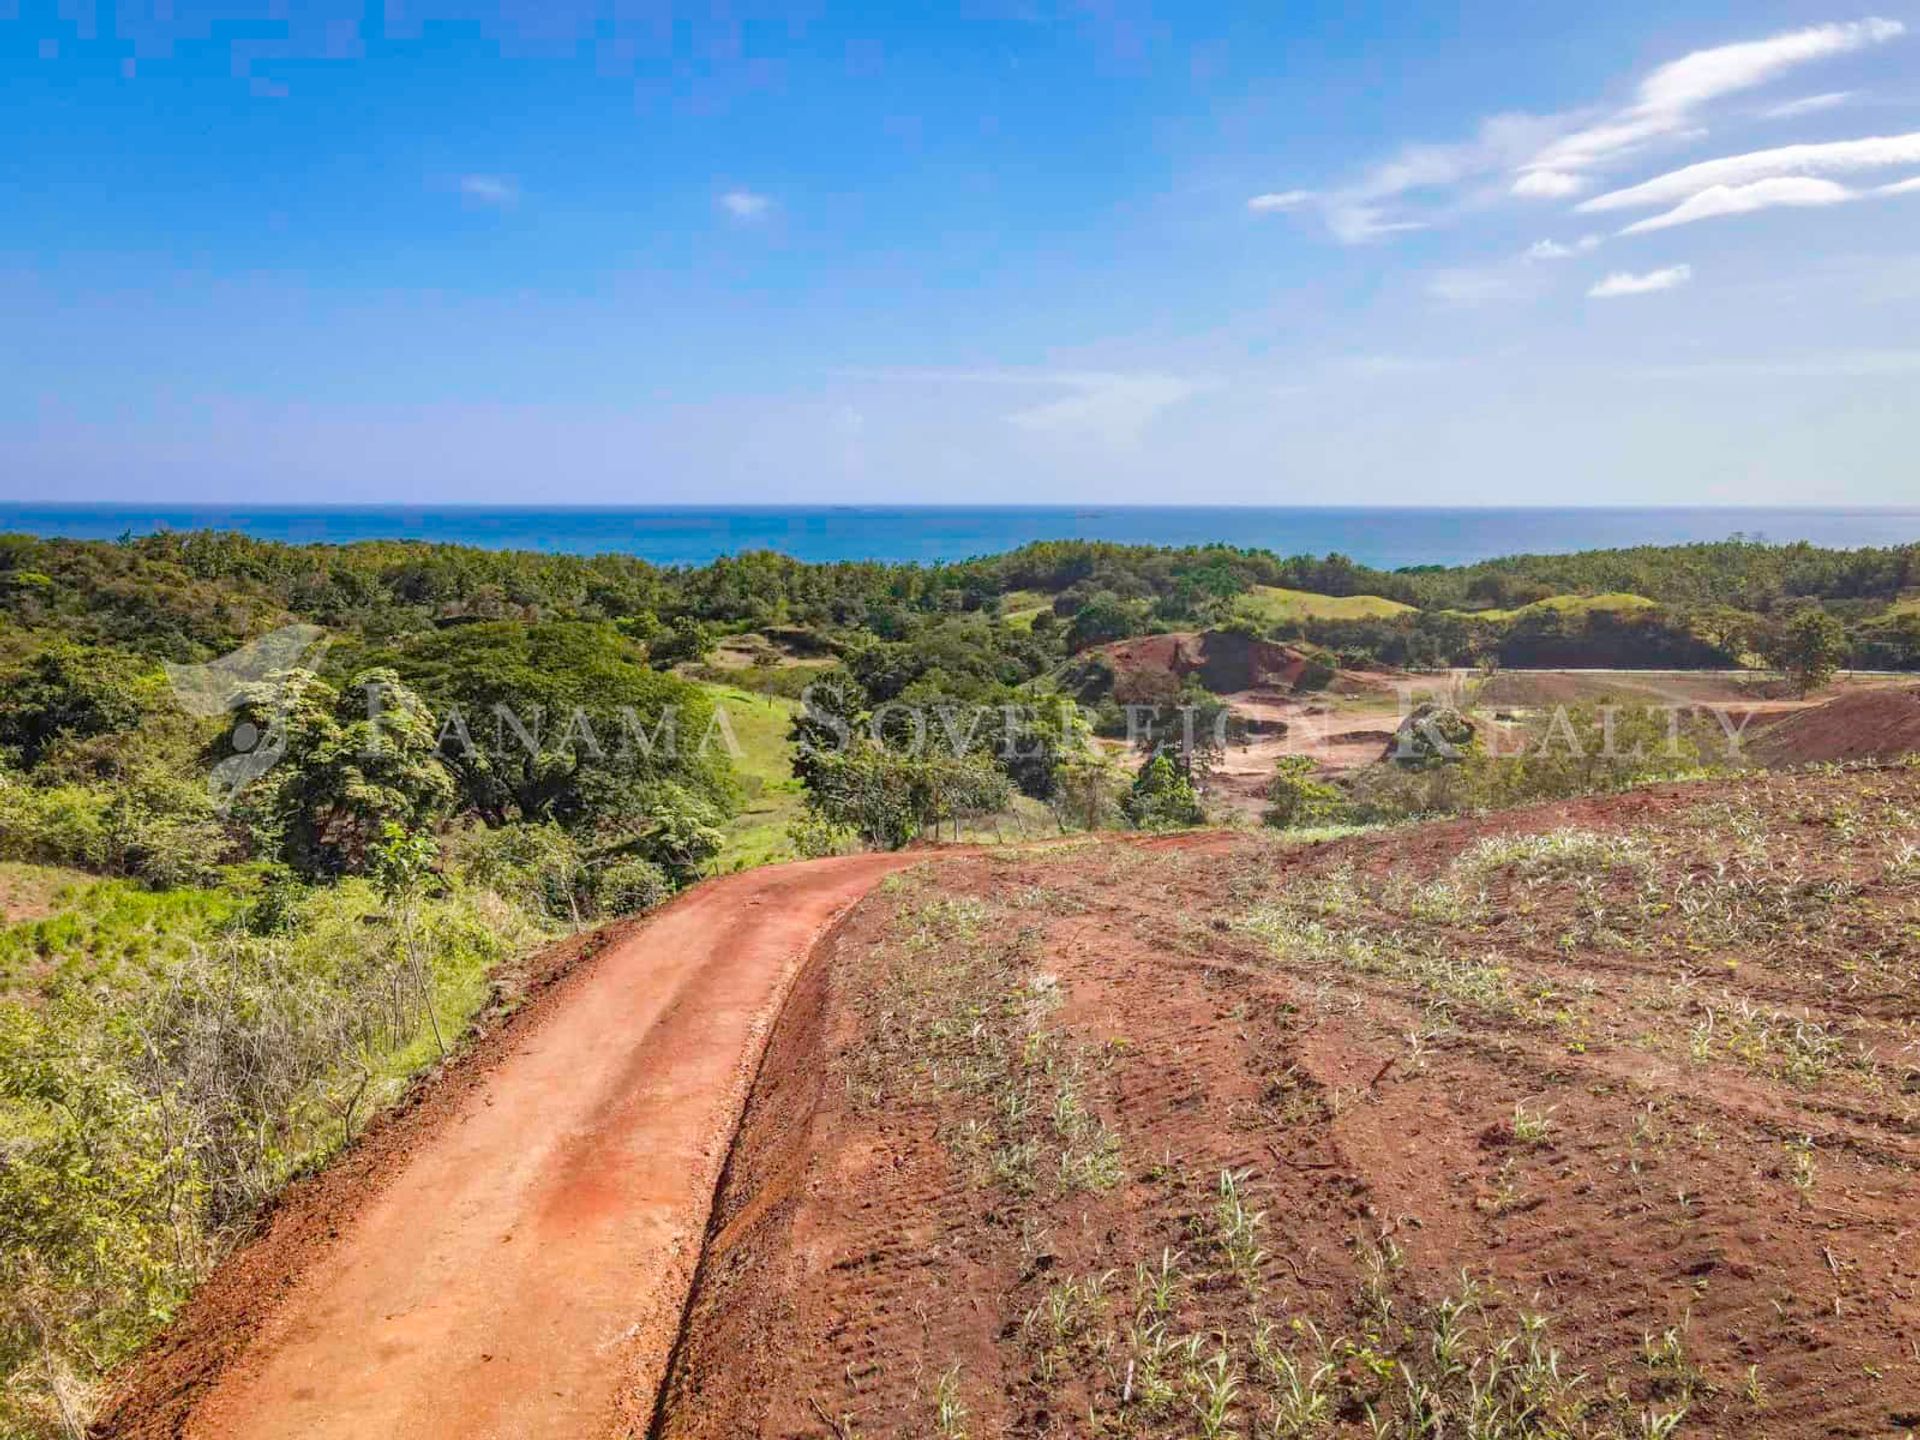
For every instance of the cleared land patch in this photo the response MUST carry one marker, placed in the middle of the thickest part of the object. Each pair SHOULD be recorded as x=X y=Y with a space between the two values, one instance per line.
x=1597 y=1119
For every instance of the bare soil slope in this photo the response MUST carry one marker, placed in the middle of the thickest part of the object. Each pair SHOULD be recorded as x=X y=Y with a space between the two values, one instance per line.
x=1596 y=1119
x=511 y=1258
x=1880 y=724
x=1225 y=660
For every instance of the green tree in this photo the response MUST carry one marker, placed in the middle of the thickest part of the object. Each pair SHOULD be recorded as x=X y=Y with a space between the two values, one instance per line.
x=1810 y=649
x=349 y=764
x=685 y=832
x=1105 y=618
x=1086 y=789
x=566 y=722
x=1163 y=798
x=71 y=692
x=402 y=863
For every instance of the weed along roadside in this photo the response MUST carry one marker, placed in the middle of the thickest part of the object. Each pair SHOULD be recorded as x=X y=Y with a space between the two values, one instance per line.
x=520 y=1277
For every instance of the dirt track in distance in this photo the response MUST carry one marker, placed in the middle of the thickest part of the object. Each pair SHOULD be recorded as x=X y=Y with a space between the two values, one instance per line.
x=517 y=1264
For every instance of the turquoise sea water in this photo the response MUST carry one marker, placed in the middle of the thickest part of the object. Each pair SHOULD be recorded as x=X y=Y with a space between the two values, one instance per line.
x=1387 y=538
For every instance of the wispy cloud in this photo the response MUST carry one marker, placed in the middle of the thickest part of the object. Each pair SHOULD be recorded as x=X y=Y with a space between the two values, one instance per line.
x=1548 y=185
x=1745 y=200
x=1279 y=200
x=745 y=204
x=1556 y=250
x=1557 y=157
x=1837 y=157
x=1368 y=209
x=1807 y=105
x=1669 y=100
x=1622 y=283
x=498 y=191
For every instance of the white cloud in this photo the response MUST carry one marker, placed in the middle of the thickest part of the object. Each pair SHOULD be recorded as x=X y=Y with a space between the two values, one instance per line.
x=1548 y=185
x=1555 y=250
x=1622 y=283
x=1901 y=187
x=1555 y=157
x=745 y=204
x=1710 y=74
x=1279 y=201
x=1833 y=158
x=1670 y=98
x=1745 y=200
x=1807 y=105
x=1366 y=210
x=498 y=191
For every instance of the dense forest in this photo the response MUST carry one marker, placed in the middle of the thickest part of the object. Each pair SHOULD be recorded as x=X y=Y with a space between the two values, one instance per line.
x=189 y=596
x=429 y=760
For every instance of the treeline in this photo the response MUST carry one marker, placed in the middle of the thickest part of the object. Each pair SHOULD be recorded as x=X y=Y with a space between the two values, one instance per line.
x=189 y=596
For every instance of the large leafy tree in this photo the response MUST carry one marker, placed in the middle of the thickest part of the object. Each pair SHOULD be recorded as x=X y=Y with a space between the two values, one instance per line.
x=1809 y=648
x=565 y=722
x=70 y=693
x=335 y=768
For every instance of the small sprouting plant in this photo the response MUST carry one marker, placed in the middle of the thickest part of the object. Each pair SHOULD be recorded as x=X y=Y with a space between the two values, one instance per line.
x=1239 y=1229
x=949 y=1412
x=1801 y=1169
x=1530 y=1127
x=1675 y=1376
x=1218 y=1385
x=1158 y=1286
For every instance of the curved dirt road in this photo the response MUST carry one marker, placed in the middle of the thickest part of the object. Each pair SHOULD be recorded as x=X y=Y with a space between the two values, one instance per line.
x=523 y=1274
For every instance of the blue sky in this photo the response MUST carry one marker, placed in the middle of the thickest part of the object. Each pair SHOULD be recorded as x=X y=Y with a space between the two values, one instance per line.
x=994 y=252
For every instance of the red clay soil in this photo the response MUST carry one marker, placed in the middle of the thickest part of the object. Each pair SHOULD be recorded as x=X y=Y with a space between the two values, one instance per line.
x=1656 y=1082
x=1881 y=724
x=510 y=1254
x=1224 y=660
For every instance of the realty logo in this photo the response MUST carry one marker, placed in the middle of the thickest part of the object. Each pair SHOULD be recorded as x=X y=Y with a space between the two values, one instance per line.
x=222 y=685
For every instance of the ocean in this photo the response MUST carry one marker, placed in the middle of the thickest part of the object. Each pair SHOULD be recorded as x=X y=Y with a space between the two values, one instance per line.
x=1384 y=538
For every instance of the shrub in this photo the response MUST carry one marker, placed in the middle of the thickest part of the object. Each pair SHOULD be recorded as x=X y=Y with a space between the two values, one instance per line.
x=152 y=827
x=813 y=836
x=1434 y=734
x=1163 y=798
x=630 y=886
x=1297 y=799
x=537 y=867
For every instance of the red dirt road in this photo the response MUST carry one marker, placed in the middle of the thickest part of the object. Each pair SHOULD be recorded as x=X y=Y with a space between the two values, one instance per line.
x=523 y=1273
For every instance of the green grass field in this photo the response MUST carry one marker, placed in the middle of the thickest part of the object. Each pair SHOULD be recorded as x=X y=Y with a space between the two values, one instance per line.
x=1271 y=603
x=1567 y=605
x=1018 y=607
x=771 y=796
x=1898 y=611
